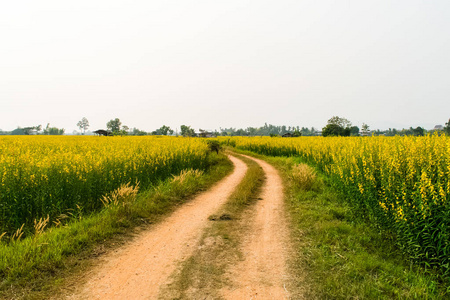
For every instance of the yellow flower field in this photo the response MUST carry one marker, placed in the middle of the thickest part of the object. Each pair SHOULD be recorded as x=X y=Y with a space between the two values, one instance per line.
x=401 y=184
x=49 y=175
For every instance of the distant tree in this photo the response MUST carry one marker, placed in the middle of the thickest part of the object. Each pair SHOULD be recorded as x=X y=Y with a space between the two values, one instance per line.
x=332 y=130
x=354 y=130
x=53 y=130
x=30 y=130
x=391 y=132
x=228 y=131
x=187 y=131
x=273 y=130
x=136 y=131
x=409 y=131
x=241 y=132
x=251 y=131
x=305 y=131
x=83 y=125
x=447 y=127
x=364 y=129
x=418 y=131
x=378 y=132
x=18 y=131
x=337 y=127
x=164 y=130
x=123 y=131
x=46 y=129
x=296 y=133
x=342 y=122
x=114 y=126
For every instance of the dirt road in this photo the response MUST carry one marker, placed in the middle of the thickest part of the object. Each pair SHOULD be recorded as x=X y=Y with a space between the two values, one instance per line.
x=263 y=272
x=139 y=269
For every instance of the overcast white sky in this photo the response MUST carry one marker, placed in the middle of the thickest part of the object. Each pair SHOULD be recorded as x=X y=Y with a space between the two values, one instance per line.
x=233 y=63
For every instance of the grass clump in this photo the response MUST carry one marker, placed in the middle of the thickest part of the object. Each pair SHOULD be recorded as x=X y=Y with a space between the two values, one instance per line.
x=303 y=176
x=181 y=183
x=123 y=196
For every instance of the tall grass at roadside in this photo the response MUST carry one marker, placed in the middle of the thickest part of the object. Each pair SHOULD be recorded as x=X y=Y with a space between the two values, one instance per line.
x=303 y=176
x=342 y=259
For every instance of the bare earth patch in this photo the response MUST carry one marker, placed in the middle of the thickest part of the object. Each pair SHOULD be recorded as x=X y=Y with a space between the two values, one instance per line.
x=139 y=269
x=262 y=274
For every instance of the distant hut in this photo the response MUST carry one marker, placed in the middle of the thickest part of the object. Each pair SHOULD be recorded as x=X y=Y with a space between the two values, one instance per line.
x=205 y=134
x=287 y=134
x=103 y=132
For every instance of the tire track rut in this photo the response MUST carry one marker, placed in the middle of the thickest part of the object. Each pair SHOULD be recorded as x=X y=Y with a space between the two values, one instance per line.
x=262 y=274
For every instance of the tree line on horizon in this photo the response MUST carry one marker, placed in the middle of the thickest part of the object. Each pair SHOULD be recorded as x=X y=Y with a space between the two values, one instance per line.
x=48 y=130
x=336 y=126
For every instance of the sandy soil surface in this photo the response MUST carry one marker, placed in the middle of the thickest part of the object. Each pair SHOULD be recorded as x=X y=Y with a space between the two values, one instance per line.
x=139 y=269
x=263 y=272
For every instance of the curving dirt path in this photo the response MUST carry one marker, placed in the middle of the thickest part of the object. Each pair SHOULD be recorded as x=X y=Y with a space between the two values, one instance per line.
x=137 y=270
x=263 y=272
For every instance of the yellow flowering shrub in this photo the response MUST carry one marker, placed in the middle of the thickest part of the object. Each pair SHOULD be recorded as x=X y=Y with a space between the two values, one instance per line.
x=53 y=175
x=401 y=184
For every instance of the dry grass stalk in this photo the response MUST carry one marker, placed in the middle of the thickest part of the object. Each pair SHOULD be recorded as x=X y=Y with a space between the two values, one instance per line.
x=124 y=195
x=18 y=234
x=40 y=225
x=58 y=222
x=186 y=174
x=304 y=176
x=2 y=235
x=79 y=211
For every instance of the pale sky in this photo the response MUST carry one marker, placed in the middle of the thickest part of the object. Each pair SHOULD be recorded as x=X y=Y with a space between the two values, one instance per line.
x=212 y=64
